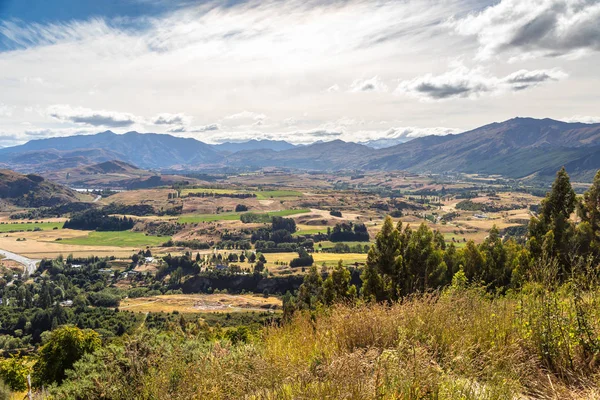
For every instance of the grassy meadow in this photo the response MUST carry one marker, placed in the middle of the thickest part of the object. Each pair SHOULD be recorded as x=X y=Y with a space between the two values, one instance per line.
x=29 y=226
x=233 y=216
x=118 y=239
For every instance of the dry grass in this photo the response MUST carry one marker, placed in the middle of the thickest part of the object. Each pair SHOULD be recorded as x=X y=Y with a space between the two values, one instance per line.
x=201 y=303
x=319 y=258
x=44 y=244
x=458 y=345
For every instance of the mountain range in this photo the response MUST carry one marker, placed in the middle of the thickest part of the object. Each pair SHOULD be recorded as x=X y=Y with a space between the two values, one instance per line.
x=518 y=148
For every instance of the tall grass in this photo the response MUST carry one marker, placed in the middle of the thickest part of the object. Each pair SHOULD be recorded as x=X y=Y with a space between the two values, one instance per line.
x=461 y=343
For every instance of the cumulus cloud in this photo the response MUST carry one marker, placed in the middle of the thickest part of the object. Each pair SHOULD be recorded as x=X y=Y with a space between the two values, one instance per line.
x=535 y=28
x=463 y=82
x=205 y=128
x=86 y=116
x=374 y=84
x=171 y=119
x=586 y=119
x=333 y=88
x=524 y=79
x=412 y=132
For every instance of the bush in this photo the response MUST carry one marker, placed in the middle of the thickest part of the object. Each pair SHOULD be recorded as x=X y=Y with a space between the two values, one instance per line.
x=13 y=372
x=302 y=261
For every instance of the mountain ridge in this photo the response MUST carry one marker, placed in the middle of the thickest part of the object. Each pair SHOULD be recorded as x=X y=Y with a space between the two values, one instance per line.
x=518 y=147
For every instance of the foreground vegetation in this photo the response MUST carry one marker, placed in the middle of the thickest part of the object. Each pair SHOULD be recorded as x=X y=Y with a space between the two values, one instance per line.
x=460 y=343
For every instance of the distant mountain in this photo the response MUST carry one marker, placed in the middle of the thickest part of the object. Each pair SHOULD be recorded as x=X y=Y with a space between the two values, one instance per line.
x=383 y=143
x=33 y=190
x=233 y=147
x=515 y=148
x=148 y=150
x=115 y=174
x=332 y=155
x=518 y=148
x=51 y=159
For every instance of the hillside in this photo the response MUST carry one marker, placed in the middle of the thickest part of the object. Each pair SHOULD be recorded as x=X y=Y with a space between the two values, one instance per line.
x=114 y=174
x=233 y=147
x=515 y=148
x=333 y=155
x=149 y=150
x=33 y=190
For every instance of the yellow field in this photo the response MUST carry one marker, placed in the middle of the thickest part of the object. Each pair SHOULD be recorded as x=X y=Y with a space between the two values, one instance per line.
x=201 y=303
x=43 y=244
x=320 y=258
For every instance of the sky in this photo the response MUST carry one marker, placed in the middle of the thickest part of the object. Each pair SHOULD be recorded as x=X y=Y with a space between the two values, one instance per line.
x=295 y=70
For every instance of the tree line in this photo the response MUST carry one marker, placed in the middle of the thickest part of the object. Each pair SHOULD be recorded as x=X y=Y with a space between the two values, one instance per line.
x=403 y=260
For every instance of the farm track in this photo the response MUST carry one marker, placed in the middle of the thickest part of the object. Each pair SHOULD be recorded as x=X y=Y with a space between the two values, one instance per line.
x=30 y=265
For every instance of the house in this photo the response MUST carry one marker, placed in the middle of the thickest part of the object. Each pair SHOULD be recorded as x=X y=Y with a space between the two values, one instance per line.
x=105 y=271
x=66 y=303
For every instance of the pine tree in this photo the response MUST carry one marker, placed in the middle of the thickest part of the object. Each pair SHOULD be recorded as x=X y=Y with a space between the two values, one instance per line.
x=372 y=287
x=589 y=211
x=551 y=233
x=337 y=286
x=385 y=260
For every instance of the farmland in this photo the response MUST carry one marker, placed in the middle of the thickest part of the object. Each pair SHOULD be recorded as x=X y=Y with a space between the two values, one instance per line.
x=201 y=303
x=29 y=226
x=118 y=239
x=234 y=216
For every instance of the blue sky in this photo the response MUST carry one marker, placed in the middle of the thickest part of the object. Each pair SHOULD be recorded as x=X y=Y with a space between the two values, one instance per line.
x=297 y=70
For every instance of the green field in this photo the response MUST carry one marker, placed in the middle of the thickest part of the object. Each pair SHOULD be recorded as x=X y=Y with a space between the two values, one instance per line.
x=268 y=194
x=185 y=192
x=310 y=231
x=29 y=226
x=119 y=239
x=233 y=216
x=192 y=219
x=328 y=245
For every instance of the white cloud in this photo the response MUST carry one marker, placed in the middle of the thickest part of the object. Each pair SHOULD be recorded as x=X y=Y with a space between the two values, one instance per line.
x=535 y=28
x=463 y=82
x=208 y=60
x=171 y=119
x=86 y=116
x=205 y=128
x=396 y=135
x=586 y=119
x=374 y=84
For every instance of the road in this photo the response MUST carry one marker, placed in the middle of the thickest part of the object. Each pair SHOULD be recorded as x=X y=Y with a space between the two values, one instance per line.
x=97 y=198
x=29 y=264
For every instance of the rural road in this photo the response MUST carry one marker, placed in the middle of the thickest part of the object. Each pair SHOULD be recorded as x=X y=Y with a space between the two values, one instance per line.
x=29 y=264
x=97 y=198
